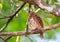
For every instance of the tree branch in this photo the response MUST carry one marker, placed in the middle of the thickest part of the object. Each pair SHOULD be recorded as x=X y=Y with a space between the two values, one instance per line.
x=5 y=40
x=31 y=32
x=4 y=16
x=52 y=27
x=11 y=17
x=41 y=4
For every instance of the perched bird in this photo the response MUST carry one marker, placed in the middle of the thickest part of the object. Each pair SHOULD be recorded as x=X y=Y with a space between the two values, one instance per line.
x=35 y=23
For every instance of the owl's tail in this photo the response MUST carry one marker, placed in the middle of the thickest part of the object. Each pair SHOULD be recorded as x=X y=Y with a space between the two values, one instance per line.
x=41 y=35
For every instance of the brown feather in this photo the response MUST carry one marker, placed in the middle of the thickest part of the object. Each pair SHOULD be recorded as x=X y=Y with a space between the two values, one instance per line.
x=35 y=22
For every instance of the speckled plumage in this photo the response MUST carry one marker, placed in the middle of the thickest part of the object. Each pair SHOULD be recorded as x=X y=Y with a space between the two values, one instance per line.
x=35 y=22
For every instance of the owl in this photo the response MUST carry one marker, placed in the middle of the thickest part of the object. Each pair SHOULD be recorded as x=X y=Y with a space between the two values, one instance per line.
x=35 y=23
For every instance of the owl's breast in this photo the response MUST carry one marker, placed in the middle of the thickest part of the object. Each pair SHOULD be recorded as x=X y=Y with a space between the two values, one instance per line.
x=32 y=24
x=34 y=21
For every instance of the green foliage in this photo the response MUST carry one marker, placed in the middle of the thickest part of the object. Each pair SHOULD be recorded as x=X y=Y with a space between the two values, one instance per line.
x=19 y=22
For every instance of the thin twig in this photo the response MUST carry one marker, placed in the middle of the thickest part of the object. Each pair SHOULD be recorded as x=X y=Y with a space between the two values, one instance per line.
x=37 y=10
x=14 y=14
x=1 y=38
x=4 y=17
x=5 y=40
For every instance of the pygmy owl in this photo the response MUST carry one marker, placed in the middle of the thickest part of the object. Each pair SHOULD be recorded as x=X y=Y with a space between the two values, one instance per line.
x=35 y=23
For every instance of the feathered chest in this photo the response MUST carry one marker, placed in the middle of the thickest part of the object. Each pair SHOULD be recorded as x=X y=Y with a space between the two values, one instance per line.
x=34 y=21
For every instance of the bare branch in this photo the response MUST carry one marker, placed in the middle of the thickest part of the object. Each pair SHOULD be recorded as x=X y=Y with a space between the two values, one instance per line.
x=24 y=32
x=41 y=4
x=15 y=33
x=52 y=27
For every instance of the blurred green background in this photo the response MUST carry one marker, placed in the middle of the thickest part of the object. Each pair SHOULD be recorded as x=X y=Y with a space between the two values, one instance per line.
x=7 y=7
